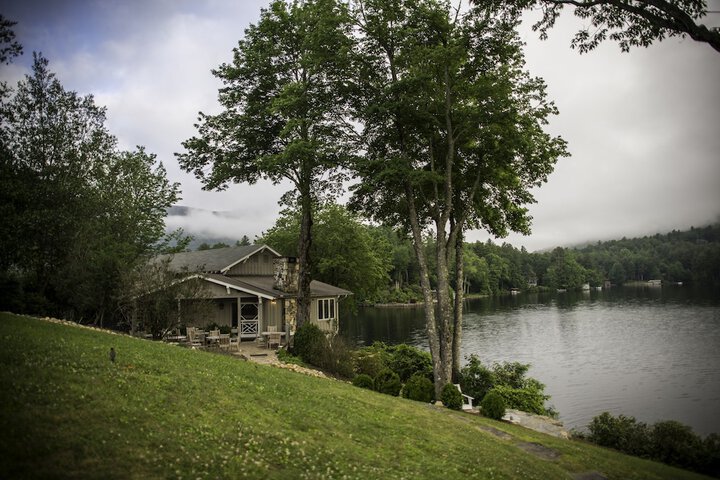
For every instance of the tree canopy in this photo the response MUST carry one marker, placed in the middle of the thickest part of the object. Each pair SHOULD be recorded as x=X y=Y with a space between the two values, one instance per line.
x=76 y=210
x=284 y=117
x=453 y=131
x=635 y=23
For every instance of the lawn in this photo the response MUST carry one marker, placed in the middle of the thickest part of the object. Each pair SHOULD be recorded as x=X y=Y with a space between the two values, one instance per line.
x=163 y=411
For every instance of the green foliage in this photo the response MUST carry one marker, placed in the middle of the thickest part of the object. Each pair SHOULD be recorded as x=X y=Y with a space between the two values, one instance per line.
x=388 y=382
x=407 y=361
x=493 y=405
x=402 y=359
x=348 y=253
x=363 y=381
x=311 y=345
x=529 y=399
x=676 y=444
x=628 y=23
x=339 y=358
x=669 y=442
x=419 y=388
x=451 y=397
x=508 y=379
x=476 y=380
x=284 y=115
x=371 y=360
x=84 y=212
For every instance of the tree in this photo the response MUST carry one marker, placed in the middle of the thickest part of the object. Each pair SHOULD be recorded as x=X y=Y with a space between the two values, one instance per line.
x=349 y=254
x=9 y=47
x=76 y=211
x=635 y=23
x=453 y=139
x=283 y=118
x=155 y=298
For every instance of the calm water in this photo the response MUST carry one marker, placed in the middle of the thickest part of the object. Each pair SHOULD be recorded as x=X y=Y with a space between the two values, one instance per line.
x=653 y=353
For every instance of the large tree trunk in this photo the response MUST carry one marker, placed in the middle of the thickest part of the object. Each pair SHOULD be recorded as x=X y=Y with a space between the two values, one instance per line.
x=444 y=321
x=430 y=325
x=459 y=298
x=304 y=243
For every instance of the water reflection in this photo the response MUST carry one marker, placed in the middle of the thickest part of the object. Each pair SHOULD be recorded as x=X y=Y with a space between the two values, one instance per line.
x=653 y=353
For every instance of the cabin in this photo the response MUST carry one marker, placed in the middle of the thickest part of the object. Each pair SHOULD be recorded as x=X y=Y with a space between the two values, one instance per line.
x=251 y=289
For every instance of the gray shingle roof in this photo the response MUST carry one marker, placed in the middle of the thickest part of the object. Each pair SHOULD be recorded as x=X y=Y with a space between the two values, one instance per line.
x=213 y=260
x=211 y=264
x=264 y=286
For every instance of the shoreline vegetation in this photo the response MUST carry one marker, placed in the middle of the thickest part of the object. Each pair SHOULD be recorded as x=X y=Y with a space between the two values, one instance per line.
x=163 y=411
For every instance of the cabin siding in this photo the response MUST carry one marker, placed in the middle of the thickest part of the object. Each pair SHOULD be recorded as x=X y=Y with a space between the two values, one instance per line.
x=258 y=264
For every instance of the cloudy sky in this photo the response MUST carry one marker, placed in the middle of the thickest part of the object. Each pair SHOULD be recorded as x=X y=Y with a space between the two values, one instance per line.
x=643 y=128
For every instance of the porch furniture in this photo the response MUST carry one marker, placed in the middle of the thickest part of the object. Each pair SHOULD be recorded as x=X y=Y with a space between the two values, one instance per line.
x=192 y=337
x=224 y=341
x=235 y=342
x=213 y=337
x=467 y=399
x=272 y=337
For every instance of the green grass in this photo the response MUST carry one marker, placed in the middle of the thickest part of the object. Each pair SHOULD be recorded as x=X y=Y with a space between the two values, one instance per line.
x=162 y=411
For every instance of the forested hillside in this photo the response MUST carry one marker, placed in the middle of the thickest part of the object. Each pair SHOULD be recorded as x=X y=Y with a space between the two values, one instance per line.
x=379 y=265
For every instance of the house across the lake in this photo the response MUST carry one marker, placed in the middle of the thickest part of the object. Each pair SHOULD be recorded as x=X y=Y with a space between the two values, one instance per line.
x=252 y=289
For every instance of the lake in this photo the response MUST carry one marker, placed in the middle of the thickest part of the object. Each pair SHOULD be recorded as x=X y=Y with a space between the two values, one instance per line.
x=649 y=352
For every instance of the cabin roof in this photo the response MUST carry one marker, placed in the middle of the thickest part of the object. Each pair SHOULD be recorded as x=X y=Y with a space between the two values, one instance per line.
x=263 y=286
x=215 y=260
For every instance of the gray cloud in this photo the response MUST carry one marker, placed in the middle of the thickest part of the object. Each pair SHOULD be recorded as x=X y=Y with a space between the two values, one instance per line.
x=642 y=127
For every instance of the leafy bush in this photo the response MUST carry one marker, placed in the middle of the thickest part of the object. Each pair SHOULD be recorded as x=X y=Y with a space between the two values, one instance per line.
x=451 y=397
x=338 y=358
x=388 y=382
x=518 y=391
x=476 y=380
x=493 y=405
x=419 y=388
x=621 y=433
x=310 y=345
x=363 y=381
x=528 y=400
x=675 y=444
x=407 y=361
x=669 y=442
x=370 y=360
x=401 y=359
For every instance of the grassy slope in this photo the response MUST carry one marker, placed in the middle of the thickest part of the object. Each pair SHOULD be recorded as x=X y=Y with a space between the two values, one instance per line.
x=163 y=411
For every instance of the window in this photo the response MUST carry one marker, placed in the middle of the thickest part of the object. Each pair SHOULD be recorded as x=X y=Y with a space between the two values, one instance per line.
x=326 y=309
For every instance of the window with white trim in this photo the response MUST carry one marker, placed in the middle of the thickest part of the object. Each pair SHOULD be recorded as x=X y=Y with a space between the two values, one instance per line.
x=326 y=309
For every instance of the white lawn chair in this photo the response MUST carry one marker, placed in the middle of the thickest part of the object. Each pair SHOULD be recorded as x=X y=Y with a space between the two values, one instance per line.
x=467 y=399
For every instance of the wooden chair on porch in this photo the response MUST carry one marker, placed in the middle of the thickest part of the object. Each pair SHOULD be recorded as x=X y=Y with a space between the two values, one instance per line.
x=224 y=342
x=192 y=337
x=273 y=336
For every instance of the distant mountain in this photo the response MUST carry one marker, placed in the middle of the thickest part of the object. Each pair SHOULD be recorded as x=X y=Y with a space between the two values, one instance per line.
x=209 y=226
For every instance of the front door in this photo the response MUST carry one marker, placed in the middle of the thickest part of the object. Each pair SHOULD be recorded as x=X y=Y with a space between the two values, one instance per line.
x=249 y=319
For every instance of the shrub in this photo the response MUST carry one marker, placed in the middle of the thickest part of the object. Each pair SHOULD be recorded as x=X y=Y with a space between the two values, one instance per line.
x=388 y=382
x=338 y=358
x=363 y=381
x=419 y=388
x=493 y=405
x=476 y=380
x=310 y=345
x=451 y=397
x=528 y=400
x=675 y=444
x=407 y=361
x=370 y=362
x=621 y=433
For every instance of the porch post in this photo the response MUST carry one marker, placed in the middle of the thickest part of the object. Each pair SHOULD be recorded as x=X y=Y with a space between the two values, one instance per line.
x=260 y=315
x=239 y=318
